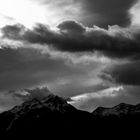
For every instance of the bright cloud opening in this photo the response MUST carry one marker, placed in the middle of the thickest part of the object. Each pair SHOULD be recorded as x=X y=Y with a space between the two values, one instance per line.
x=135 y=11
x=23 y=11
x=110 y=92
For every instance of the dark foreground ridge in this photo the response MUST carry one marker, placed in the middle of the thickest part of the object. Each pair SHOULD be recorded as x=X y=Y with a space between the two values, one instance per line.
x=53 y=116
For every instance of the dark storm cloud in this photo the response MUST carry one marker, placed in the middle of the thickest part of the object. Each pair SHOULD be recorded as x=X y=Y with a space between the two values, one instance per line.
x=23 y=68
x=73 y=37
x=125 y=74
x=72 y=27
x=29 y=67
x=108 y=12
x=13 y=31
x=94 y=12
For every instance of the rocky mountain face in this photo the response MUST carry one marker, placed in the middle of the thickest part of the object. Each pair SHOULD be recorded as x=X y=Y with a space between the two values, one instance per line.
x=41 y=114
x=120 y=110
x=51 y=115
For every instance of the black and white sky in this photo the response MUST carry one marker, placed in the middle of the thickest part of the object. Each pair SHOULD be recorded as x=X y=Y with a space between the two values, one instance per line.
x=88 y=50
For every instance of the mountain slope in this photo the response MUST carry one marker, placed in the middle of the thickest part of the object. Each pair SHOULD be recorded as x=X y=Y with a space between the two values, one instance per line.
x=38 y=115
x=52 y=116
x=120 y=110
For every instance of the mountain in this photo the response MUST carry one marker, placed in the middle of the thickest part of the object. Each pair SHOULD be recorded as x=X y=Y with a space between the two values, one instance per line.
x=120 y=110
x=51 y=116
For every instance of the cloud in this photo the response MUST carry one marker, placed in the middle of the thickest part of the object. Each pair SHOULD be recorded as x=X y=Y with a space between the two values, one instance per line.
x=109 y=92
x=107 y=97
x=11 y=98
x=28 y=67
x=92 y=12
x=71 y=27
x=110 y=12
x=133 y=91
x=43 y=49
x=125 y=74
x=13 y=31
x=73 y=37
x=70 y=57
x=8 y=101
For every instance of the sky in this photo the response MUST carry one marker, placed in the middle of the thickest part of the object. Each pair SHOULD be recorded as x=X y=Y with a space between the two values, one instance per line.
x=86 y=50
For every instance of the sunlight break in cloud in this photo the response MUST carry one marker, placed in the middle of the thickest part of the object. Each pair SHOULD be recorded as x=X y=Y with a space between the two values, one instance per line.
x=109 y=93
x=22 y=11
x=135 y=11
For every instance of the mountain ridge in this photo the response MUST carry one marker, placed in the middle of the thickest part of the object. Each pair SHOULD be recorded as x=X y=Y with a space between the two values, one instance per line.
x=118 y=110
x=53 y=115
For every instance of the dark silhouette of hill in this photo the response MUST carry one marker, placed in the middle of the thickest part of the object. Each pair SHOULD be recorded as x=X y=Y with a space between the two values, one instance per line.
x=52 y=116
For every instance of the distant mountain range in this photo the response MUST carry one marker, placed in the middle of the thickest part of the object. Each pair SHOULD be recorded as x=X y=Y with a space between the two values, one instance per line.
x=120 y=110
x=52 y=114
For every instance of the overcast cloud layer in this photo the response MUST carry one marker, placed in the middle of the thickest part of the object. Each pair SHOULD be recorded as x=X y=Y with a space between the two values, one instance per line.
x=73 y=37
x=75 y=59
x=93 y=12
